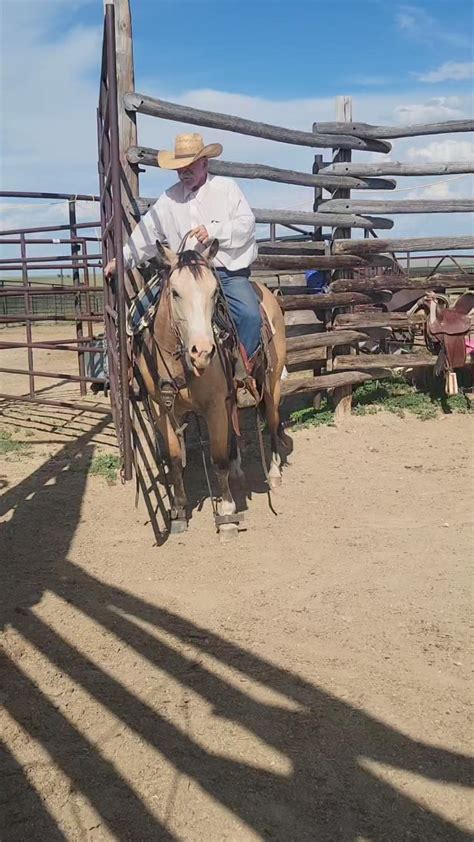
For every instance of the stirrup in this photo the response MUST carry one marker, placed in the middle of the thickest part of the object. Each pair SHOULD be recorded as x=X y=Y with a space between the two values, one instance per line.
x=244 y=397
x=247 y=392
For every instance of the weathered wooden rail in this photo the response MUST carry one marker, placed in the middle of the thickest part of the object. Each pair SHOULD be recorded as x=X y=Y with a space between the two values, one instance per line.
x=448 y=280
x=371 y=206
x=358 y=169
x=149 y=157
x=143 y=104
x=428 y=244
x=412 y=130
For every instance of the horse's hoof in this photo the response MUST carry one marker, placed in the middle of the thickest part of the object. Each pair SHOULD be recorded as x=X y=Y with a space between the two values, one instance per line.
x=178 y=526
x=276 y=482
x=228 y=532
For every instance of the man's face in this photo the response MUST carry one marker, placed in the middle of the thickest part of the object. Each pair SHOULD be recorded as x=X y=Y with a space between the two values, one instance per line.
x=195 y=175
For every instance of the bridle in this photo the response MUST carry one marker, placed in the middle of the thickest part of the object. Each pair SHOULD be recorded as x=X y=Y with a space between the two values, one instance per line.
x=170 y=385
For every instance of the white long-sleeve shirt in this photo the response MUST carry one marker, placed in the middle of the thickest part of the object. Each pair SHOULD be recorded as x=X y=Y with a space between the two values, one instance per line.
x=219 y=205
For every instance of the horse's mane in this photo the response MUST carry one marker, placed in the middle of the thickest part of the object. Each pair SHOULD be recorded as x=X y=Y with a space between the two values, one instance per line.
x=191 y=260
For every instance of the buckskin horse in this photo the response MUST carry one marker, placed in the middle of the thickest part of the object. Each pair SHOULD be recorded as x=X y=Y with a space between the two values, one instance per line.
x=185 y=369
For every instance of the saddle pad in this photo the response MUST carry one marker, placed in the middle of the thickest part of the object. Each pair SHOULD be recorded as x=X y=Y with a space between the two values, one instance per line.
x=143 y=307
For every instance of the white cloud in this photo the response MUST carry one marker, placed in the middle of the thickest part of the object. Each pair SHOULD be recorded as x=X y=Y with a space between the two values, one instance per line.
x=434 y=110
x=49 y=93
x=442 y=150
x=450 y=70
x=418 y=25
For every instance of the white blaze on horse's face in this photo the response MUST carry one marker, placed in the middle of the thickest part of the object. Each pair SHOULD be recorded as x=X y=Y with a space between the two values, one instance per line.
x=193 y=289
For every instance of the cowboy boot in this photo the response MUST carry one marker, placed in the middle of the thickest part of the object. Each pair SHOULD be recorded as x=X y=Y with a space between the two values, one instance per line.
x=245 y=382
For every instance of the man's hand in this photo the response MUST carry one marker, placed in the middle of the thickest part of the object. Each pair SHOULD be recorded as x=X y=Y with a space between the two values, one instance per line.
x=201 y=234
x=110 y=269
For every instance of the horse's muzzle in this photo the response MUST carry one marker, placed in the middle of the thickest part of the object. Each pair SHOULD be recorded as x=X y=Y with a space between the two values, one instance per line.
x=201 y=357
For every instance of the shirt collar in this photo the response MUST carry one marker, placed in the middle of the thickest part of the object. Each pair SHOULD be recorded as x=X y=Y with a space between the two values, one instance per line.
x=187 y=192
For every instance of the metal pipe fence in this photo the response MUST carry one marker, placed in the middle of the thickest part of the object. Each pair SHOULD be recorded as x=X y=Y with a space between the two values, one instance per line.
x=73 y=294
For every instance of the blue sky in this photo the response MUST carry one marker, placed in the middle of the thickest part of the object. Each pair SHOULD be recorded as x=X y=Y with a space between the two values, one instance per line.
x=296 y=48
x=279 y=61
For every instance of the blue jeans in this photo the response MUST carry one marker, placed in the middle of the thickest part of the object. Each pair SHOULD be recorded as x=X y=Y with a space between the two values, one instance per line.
x=244 y=307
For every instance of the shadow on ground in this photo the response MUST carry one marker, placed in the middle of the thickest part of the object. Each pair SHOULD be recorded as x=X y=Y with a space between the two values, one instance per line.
x=327 y=796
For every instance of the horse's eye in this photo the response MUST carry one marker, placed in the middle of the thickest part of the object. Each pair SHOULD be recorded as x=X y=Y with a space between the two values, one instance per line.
x=175 y=294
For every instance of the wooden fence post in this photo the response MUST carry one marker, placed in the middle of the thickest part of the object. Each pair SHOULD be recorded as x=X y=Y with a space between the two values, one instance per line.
x=342 y=396
x=343 y=115
x=127 y=128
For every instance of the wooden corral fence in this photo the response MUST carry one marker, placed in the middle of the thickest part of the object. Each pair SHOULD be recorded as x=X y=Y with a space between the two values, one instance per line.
x=325 y=331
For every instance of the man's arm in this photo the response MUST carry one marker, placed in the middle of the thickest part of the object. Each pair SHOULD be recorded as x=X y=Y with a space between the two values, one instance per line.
x=142 y=242
x=241 y=227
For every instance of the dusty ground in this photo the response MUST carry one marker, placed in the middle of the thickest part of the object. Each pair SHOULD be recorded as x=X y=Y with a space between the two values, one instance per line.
x=311 y=682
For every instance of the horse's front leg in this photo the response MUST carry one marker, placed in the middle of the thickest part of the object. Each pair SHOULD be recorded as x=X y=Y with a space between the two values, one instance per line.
x=219 y=427
x=178 y=503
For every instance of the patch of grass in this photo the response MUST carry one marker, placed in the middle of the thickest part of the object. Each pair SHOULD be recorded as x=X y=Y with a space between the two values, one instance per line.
x=457 y=403
x=105 y=465
x=395 y=395
x=310 y=417
x=9 y=445
x=400 y=397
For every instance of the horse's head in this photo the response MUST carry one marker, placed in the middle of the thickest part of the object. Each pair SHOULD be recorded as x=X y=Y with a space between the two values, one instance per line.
x=192 y=289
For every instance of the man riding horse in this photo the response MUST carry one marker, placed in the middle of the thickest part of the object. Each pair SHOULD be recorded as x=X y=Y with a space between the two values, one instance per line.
x=201 y=207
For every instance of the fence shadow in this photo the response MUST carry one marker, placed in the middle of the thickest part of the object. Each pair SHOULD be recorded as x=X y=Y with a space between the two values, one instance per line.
x=328 y=795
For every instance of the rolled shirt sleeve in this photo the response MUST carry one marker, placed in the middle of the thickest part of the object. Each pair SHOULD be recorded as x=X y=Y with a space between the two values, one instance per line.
x=142 y=243
x=239 y=230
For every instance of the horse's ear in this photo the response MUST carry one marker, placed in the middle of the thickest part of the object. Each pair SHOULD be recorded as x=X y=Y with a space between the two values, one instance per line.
x=165 y=256
x=211 y=250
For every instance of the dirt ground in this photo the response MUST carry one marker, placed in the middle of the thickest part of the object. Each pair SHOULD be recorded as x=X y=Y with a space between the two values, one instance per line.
x=311 y=681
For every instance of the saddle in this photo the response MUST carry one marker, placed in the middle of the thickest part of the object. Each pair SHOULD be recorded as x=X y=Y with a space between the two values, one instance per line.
x=249 y=374
x=449 y=330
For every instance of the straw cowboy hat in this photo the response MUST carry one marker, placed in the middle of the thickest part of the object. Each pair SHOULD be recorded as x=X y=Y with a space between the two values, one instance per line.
x=187 y=149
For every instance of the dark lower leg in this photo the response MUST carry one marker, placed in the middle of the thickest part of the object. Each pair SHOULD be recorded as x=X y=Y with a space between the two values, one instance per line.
x=178 y=504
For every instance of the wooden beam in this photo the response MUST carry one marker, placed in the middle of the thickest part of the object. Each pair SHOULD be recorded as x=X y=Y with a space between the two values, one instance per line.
x=323 y=383
x=146 y=156
x=214 y=120
x=342 y=403
x=392 y=282
x=367 y=321
x=350 y=362
x=286 y=217
x=280 y=217
x=305 y=359
x=327 y=339
x=343 y=113
x=303 y=262
x=405 y=206
x=414 y=130
x=285 y=247
x=379 y=246
x=323 y=301
x=362 y=170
